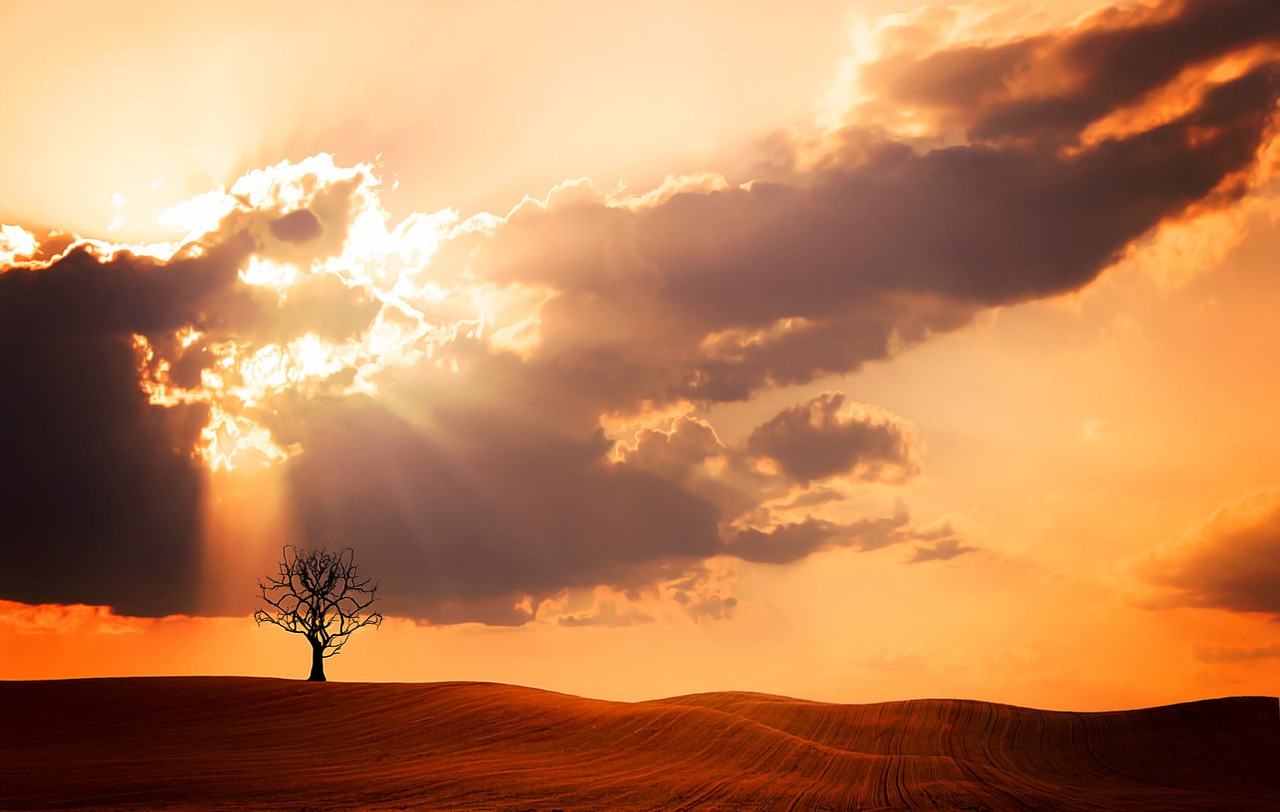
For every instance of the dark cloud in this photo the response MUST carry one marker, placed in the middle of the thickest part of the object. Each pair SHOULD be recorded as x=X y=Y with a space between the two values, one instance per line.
x=81 y=293
x=101 y=502
x=466 y=512
x=1231 y=562
x=478 y=507
x=791 y=542
x=715 y=295
x=824 y=438
x=1052 y=86
x=297 y=226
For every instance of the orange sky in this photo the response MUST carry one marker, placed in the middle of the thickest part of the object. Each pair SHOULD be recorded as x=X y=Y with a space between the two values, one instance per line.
x=590 y=438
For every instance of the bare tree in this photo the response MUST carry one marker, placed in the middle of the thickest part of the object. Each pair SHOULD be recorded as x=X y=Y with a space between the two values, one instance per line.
x=319 y=595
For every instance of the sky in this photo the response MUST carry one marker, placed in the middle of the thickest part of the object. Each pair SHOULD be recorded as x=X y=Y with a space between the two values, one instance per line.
x=853 y=351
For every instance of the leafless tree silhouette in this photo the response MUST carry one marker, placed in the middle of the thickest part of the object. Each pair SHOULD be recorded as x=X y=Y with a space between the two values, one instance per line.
x=319 y=595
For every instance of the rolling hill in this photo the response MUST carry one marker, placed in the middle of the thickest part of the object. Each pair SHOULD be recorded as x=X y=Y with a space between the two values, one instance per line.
x=215 y=742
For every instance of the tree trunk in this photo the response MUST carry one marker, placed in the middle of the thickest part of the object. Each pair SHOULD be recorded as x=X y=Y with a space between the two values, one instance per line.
x=317 y=663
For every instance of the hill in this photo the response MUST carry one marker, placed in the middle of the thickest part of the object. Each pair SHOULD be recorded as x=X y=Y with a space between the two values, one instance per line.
x=214 y=742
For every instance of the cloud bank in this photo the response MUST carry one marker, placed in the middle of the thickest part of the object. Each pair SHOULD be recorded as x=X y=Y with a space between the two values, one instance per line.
x=1231 y=561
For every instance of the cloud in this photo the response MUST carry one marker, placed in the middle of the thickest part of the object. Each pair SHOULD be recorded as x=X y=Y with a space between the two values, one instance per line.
x=827 y=437
x=59 y=618
x=1052 y=86
x=941 y=542
x=292 y=212
x=785 y=543
x=707 y=607
x=475 y=511
x=674 y=454
x=479 y=507
x=105 y=506
x=1230 y=561
x=715 y=294
x=103 y=502
x=941 y=550
x=296 y=226
x=608 y=616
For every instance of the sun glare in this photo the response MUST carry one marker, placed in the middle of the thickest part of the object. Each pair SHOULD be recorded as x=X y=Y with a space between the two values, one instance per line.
x=416 y=313
x=15 y=243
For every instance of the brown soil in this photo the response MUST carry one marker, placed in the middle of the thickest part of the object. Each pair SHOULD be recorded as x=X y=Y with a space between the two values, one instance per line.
x=212 y=742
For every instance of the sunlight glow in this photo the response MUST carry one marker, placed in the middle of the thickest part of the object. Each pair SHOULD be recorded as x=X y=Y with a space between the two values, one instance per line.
x=15 y=242
x=418 y=311
x=268 y=274
x=231 y=441
x=1177 y=98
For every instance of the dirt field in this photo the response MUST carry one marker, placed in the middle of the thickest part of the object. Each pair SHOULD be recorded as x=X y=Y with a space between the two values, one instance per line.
x=202 y=743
